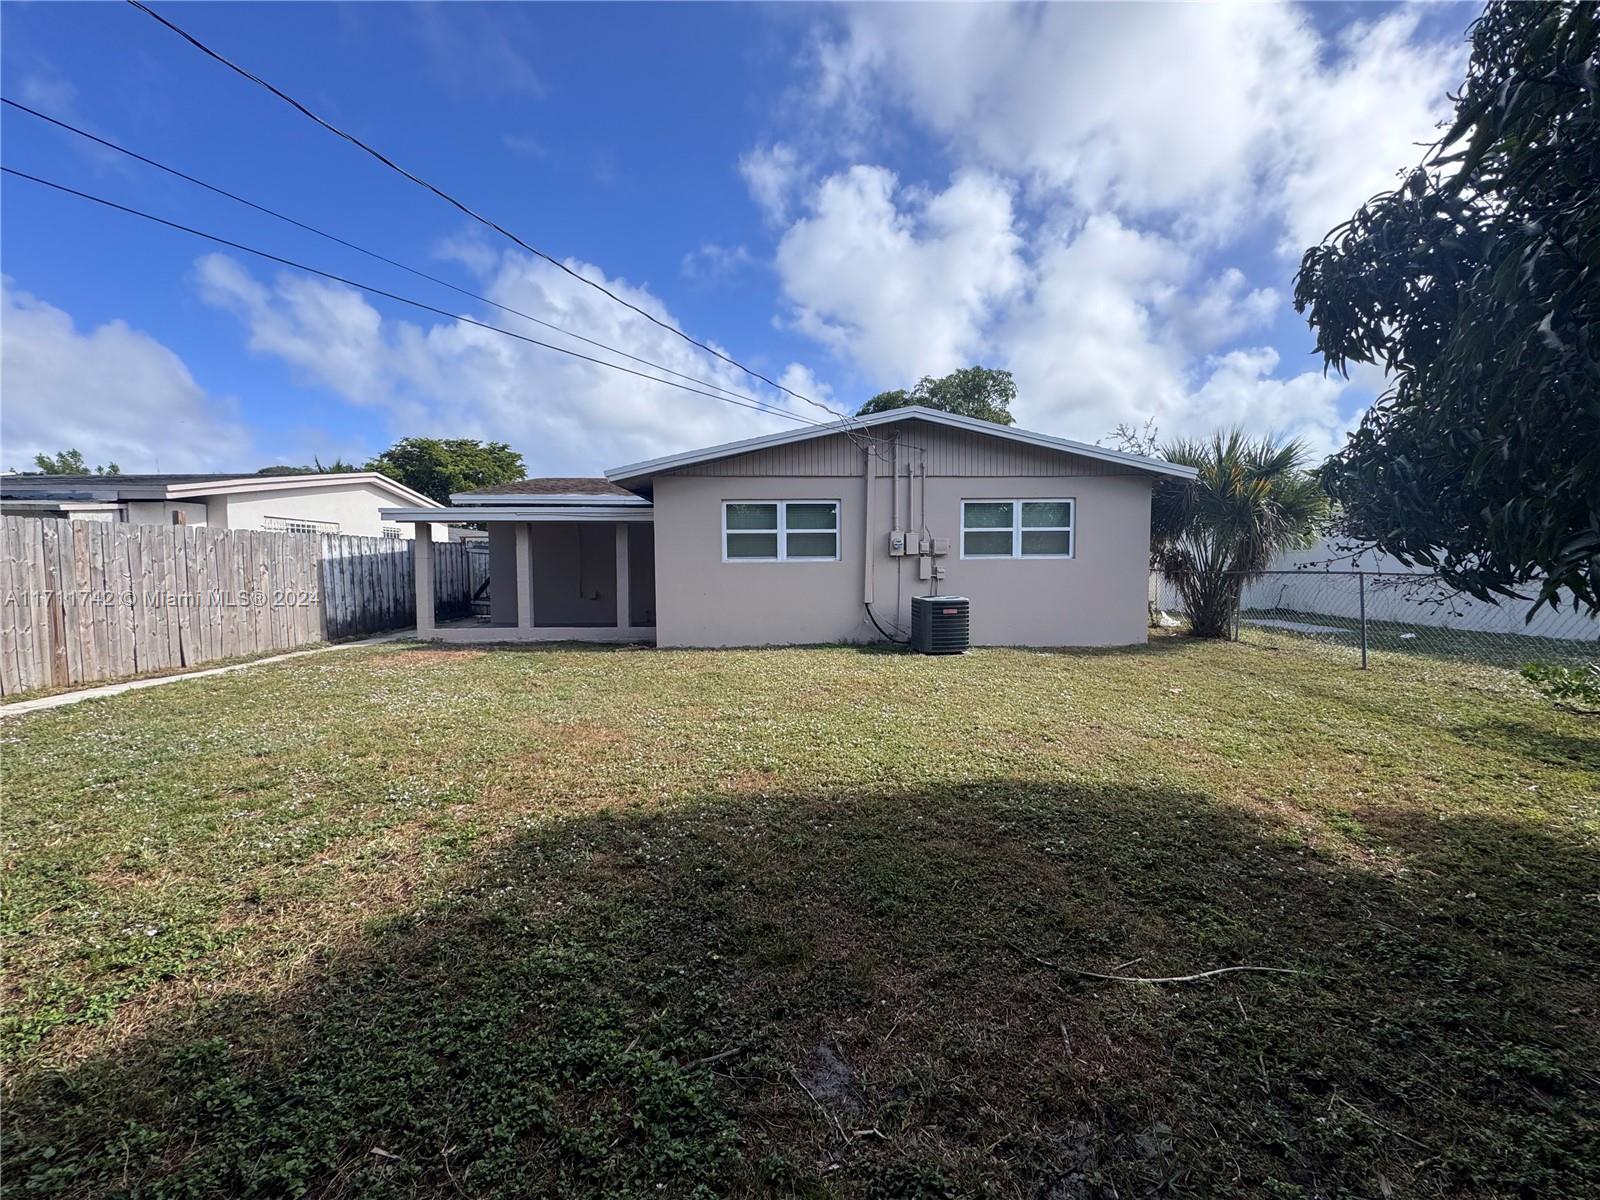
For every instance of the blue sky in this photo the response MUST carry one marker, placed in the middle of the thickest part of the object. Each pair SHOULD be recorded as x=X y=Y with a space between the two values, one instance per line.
x=1109 y=200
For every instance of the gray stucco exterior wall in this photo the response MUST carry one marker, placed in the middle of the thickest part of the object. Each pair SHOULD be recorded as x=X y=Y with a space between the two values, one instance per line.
x=574 y=574
x=1096 y=598
x=503 y=573
x=574 y=569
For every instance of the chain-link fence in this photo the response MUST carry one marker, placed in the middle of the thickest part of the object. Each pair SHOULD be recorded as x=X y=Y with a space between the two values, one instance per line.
x=1376 y=615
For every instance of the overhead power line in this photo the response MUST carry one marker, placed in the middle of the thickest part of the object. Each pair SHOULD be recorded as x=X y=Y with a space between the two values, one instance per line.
x=383 y=258
x=475 y=215
x=399 y=299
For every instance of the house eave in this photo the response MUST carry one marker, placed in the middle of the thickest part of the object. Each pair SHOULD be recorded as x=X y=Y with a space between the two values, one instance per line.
x=491 y=514
x=63 y=505
x=284 y=483
x=623 y=475
x=40 y=487
x=467 y=499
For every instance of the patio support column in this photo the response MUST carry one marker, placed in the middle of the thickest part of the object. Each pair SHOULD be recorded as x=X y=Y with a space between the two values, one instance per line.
x=422 y=570
x=624 y=613
x=524 y=575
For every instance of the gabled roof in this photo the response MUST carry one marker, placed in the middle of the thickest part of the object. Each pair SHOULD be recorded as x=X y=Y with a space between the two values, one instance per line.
x=559 y=489
x=189 y=487
x=673 y=462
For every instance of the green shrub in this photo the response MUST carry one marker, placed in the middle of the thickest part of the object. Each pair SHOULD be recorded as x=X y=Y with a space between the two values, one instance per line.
x=1574 y=685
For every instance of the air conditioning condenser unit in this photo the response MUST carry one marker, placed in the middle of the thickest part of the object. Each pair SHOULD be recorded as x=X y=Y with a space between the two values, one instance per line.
x=939 y=624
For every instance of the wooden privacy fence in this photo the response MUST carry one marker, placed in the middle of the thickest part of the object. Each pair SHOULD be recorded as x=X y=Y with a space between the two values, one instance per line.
x=369 y=584
x=82 y=601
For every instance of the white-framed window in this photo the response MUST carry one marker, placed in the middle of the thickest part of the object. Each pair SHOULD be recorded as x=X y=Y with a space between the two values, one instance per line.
x=780 y=531
x=299 y=525
x=393 y=532
x=1018 y=528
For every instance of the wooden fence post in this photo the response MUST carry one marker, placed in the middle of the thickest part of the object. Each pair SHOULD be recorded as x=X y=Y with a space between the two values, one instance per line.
x=86 y=601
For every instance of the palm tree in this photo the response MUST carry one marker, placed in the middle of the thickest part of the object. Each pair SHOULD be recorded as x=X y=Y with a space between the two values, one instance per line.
x=1210 y=536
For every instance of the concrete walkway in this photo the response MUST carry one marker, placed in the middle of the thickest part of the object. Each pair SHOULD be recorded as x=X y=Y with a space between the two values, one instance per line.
x=23 y=707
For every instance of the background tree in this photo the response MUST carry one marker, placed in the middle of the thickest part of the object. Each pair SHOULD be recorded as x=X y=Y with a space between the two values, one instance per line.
x=1252 y=500
x=70 y=462
x=1143 y=440
x=1476 y=286
x=437 y=467
x=337 y=466
x=982 y=392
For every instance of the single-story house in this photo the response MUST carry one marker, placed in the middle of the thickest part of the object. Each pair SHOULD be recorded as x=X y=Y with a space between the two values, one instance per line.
x=820 y=534
x=338 y=502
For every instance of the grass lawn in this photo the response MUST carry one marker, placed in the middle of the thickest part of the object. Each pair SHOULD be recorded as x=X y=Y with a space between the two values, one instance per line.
x=418 y=922
x=1445 y=643
x=40 y=693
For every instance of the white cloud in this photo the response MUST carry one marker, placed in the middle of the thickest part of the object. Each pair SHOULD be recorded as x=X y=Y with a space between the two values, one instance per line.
x=1086 y=345
x=1358 y=122
x=1111 y=331
x=1107 y=323
x=772 y=173
x=1104 y=100
x=468 y=249
x=1241 y=390
x=901 y=288
x=1119 y=171
x=1219 y=310
x=51 y=93
x=44 y=88
x=1208 y=114
x=713 y=261
x=816 y=397
x=445 y=378
x=524 y=145
x=474 y=51
x=329 y=334
x=113 y=393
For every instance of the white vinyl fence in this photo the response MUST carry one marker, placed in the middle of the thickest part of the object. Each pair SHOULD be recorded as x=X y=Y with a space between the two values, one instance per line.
x=1371 y=612
x=1406 y=595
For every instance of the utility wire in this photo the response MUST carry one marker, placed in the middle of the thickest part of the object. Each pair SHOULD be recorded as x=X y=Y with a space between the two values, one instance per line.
x=383 y=258
x=476 y=216
x=418 y=304
x=847 y=420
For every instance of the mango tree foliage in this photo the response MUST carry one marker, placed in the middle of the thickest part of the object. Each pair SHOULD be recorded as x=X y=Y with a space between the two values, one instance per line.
x=1476 y=286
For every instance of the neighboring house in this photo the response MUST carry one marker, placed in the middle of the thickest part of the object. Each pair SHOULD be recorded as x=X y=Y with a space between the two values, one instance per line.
x=348 y=503
x=808 y=536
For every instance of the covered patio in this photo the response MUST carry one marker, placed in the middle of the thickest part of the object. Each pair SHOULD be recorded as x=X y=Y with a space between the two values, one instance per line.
x=557 y=571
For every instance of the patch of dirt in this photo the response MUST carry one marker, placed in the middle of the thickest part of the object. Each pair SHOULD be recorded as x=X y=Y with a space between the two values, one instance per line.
x=829 y=1079
x=426 y=658
x=757 y=782
x=117 y=876
x=1077 y=1150
x=607 y=868
x=586 y=734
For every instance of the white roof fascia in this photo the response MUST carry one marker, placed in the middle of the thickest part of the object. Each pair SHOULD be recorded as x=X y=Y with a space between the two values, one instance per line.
x=40 y=487
x=525 y=498
x=671 y=462
x=73 y=505
x=111 y=490
x=532 y=512
x=284 y=483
